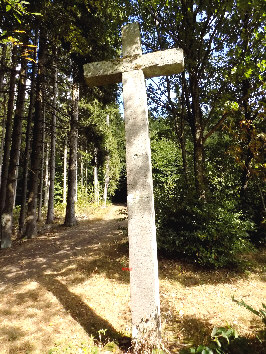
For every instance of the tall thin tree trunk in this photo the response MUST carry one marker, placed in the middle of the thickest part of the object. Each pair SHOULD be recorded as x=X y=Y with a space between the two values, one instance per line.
x=10 y=109
x=30 y=222
x=2 y=67
x=96 y=180
x=50 y=211
x=46 y=176
x=197 y=131
x=7 y=215
x=70 y=218
x=26 y=161
x=86 y=176
x=3 y=103
x=76 y=182
x=246 y=85
x=65 y=173
x=3 y=137
x=81 y=171
x=106 y=177
x=182 y=130
x=40 y=200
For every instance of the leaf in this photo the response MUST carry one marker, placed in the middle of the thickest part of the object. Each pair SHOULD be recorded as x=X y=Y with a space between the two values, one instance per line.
x=8 y=8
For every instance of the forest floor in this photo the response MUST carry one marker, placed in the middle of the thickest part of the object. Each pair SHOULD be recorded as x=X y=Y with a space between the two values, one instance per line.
x=60 y=291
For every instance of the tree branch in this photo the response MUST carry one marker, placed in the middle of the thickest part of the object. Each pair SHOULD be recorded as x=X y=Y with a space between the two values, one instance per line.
x=216 y=127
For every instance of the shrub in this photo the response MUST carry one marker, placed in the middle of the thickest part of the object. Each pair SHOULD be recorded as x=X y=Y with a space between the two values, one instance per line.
x=209 y=233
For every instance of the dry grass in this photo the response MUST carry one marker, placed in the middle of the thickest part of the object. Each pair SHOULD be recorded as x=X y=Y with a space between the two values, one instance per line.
x=60 y=289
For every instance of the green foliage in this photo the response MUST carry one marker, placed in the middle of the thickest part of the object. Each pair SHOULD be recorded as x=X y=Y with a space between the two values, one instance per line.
x=261 y=313
x=208 y=233
x=108 y=139
x=222 y=338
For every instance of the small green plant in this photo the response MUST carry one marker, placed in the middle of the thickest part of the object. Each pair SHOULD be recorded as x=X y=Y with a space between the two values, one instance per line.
x=222 y=336
x=221 y=339
x=261 y=313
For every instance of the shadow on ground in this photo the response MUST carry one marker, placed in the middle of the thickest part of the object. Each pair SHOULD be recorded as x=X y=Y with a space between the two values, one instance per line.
x=71 y=254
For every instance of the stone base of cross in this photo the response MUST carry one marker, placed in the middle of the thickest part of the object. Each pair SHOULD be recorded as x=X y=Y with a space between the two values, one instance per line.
x=132 y=70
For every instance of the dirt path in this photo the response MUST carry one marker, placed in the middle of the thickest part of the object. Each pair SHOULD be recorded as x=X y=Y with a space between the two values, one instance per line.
x=66 y=285
x=47 y=286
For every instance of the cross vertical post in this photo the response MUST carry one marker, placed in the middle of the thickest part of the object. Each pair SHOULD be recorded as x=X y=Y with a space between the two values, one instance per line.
x=144 y=283
x=132 y=70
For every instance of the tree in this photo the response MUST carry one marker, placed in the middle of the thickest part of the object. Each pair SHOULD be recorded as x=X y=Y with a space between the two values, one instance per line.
x=26 y=159
x=70 y=218
x=30 y=223
x=8 y=128
x=7 y=213
x=50 y=211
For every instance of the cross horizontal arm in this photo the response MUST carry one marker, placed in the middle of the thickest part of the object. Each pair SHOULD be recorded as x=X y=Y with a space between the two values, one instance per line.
x=161 y=63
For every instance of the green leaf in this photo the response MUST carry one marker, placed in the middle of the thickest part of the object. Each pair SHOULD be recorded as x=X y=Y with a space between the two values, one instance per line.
x=8 y=8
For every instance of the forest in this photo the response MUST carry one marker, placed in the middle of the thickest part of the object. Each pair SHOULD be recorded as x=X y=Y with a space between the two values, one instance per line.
x=62 y=143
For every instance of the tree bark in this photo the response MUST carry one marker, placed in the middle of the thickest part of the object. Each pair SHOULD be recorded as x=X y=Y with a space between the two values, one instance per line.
x=10 y=109
x=182 y=130
x=46 y=176
x=7 y=215
x=40 y=200
x=86 y=176
x=248 y=127
x=30 y=222
x=3 y=137
x=65 y=173
x=26 y=161
x=2 y=67
x=106 y=177
x=50 y=211
x=70 y=218
x=96 y=180
x=197 y=131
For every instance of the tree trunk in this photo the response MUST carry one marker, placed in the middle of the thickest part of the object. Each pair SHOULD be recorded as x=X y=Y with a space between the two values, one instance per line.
x=70 y=218
x=7 y=215
x=65 y=173
x=40 y=200
x=106 y=177
x=28 y=145
x=86 y=176
x=3 y=137
x=96 y=181
x=248 y=127
x=81 y=172
x=30 y=222
x=50 y=211
x=46 y=176
x=197 y=131
x=3 y=104
x=182 y=130
x=10 y=109
x=2 y=67
x=76 y=194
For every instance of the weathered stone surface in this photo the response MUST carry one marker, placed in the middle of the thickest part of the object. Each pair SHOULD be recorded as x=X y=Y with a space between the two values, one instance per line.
x=131 y=41
x=144 y=284
x=167 y=62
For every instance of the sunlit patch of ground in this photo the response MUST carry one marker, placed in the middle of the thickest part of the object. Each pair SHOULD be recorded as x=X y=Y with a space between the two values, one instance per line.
x=67 y=286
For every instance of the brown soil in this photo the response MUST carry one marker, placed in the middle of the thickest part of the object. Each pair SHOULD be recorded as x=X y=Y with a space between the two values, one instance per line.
x=63 y=287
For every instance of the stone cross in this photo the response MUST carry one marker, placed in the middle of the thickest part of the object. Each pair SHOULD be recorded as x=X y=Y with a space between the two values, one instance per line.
x=132 y=70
